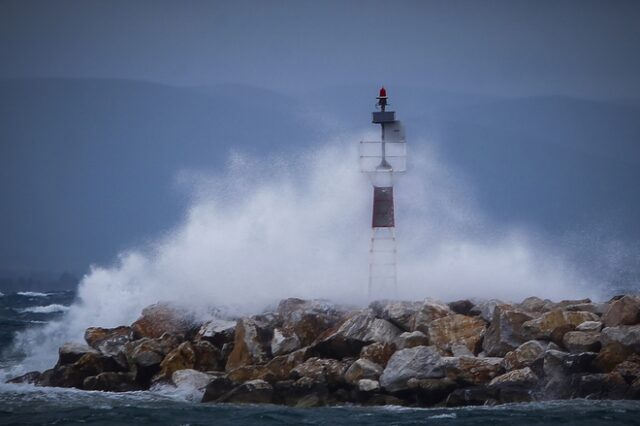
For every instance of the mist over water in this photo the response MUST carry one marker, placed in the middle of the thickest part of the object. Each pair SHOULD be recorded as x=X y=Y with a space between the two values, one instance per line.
x=270 y=228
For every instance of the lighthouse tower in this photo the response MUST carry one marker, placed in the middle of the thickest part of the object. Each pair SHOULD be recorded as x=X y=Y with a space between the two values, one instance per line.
x=382 y=160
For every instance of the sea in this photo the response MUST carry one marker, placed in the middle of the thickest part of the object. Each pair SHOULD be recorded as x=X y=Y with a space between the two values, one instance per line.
x=29 y=405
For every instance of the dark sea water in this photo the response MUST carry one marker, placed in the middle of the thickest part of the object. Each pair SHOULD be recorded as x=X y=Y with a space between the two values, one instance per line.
x=29 y=405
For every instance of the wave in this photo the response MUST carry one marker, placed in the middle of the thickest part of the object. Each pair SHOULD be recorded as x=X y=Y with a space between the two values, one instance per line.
x=48 y=309
x=32 y=294
x=1 y=294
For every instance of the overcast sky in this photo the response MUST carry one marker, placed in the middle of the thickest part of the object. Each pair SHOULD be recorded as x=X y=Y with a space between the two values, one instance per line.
x=511 y=48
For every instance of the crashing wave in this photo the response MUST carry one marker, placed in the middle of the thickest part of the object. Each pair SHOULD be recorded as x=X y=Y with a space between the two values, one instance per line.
x=48 y=309
x=31 y=294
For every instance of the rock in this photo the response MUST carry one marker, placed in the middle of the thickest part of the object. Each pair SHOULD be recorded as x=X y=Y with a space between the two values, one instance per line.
x=112 y=382
x=217 y=332
x=523 y=377
x=251 y=344
x=283 y=343
x=108 y=341
x=162 y=318
x=460 y=350
x=355 y=333
x=208 y=356
x=485 y=309
x=307 y=319
x=600 y=386
x=478 y=395
x=457 y=329
x=362 y=369
x=610 y=356
x=181 y=358
x=73 y=375
x=217 y=387
x=431 y=391
x=582 y=341
x=554 y=363
x=626 y=335
x=251 y=392
x=249 y=372
x=564 y=304
x=524 y=355
x=367 y=385
x=280 y=367
x=462 y=307
x=149 y=352
x=411 y=339
x=307 y=392
x=471 y=370
x=71 y=352
x=629 y=368
x=505 y=332
x=400 y=314
x=330 y=371
x=31 y=377
x=625 y=311
x=594 y=308
x=550 y=322
x=420 y=362
x=589 y=326
x=191 y=383
x=378 y=353
x=430 y=310
x=535 y=305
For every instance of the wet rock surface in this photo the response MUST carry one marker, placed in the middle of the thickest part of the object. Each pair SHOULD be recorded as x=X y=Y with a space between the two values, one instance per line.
x=309 y=353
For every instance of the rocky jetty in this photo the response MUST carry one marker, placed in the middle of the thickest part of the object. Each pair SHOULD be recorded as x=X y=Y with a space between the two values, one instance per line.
x=313 y=353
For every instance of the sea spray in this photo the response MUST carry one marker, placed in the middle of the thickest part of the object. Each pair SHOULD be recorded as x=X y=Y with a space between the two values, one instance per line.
x=271 y=228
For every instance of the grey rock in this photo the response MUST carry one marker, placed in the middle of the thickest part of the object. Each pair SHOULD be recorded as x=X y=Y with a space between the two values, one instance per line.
x=411 y=339
x=367 y=385
x=589 y=326
x=420 y=362
x=284 y=342
x=506 y=331
x=626 y=335
x=362 y=369
x=582 y=341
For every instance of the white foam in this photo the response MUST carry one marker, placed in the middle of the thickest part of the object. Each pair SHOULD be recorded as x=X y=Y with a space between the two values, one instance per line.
x=271 y=228
x=48 y=309
x=32 y=294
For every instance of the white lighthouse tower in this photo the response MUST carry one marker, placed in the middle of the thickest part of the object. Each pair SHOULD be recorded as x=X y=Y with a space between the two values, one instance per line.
x=382 y=160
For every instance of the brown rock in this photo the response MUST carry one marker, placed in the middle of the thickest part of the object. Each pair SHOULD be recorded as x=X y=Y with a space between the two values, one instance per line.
x=582 y=341
x=109 y=341
x=471 y=370
x=280 y=367
x=625 y=311
x=457 y=329
x=329 y=370
x=162 y=318
x=307 y=319
x=505 y=332
x=378 y=353
x=362 y=369
x=71 y=352
x=251 y=344
x=524 y=355
x=524 y=376
x=356 y=332
x=594 y=308
x=181 y=358
x=430 y=310
x=208 y=357
x=544 y=327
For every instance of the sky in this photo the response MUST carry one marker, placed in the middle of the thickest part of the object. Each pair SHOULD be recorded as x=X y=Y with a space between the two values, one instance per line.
x=584 y=48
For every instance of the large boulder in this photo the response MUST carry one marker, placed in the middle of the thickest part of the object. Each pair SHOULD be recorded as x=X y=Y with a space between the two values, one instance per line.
x=356 y=332
x=252 y=343
x=284 y=342
x=71 y=352
x=216 y=331
x=457 y=330
x=521 y=377
x=251 y=392
x=625 y=311
x=610 y=356
x=582 y=341
x=429 y=311
x=362 y=369
x=217 y=387
x=163 y=318
x=181 y=358
x=420 y=362
x=307 y=319
x=472 y=370
x=400 y=314
x=524 y=355
x=378 y=353
x=550 y=322
x=208 y=356
x=112 y=382
x=330 y=371
x=625 y=335
x=279 y=368
x=90 y=364
x=411 y=339
x=109 y=341
x=506 y=331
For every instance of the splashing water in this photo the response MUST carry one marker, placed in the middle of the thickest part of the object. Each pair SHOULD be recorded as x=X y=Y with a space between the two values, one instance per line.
x=273 y=228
